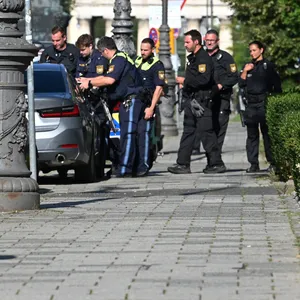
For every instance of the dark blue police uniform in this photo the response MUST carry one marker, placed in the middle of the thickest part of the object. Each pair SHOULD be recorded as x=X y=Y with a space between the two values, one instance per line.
x=91 y=66
x=152 y=72
x=127 y=85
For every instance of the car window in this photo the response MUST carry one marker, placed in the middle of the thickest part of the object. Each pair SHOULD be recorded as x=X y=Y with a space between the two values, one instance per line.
x=71 y=83
x=48 y=82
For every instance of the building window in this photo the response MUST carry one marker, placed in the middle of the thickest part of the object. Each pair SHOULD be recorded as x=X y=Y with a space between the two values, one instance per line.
x=97 y=27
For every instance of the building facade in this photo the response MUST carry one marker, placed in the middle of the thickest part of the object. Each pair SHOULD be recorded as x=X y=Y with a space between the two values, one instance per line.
x=45 y=14
x=95 y=17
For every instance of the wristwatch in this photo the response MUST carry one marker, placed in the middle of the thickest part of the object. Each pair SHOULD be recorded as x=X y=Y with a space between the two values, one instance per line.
x=90 y=84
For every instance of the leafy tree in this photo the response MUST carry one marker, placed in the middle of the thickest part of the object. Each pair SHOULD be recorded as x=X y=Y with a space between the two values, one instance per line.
x=275 y=23
x=67 y=5
x=240 y=43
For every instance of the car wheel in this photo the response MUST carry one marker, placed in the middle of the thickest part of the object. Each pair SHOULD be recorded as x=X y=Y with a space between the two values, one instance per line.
x=63 y=173
x=87 y=173
x=102 y=154
x=101 y=168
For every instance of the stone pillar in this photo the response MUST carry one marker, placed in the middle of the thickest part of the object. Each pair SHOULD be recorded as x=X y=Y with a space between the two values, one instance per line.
x=108 y=27
x=122 y=32
x=167 y=106
x=17 y=190
x=143 y=32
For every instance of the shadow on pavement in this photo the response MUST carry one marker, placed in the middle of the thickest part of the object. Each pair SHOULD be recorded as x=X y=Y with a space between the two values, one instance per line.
x=55 y=179
x=233 y=190
x=44 y=191
x=222 y=174
x=198 y=158
x=234 y=170
x=170 y=152
x=233 y=151
x=113 y=193
x=71 y=203
x=4 y=257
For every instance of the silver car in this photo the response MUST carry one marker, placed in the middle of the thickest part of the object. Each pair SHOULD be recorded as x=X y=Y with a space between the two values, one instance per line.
x=67 y=134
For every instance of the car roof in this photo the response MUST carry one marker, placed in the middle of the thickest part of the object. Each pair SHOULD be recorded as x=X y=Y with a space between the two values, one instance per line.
x=49 y=67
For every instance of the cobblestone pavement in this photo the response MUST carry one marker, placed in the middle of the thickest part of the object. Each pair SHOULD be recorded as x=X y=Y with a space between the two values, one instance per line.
x=186 y=237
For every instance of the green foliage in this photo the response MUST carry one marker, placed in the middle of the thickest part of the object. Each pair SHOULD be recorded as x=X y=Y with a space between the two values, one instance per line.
x=277 y=108
x=240 y=44
x=275 y=23
x=289 y=85
x=290 y=134
x=98 y=27
x=67 y=5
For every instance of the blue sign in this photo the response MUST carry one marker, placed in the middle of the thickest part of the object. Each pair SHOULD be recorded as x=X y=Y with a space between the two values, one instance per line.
x=153 y=34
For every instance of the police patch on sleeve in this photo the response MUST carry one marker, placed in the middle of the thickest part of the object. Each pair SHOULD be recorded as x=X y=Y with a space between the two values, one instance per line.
x=233 y=68
x=99 y=69
x=111 y=68
x=202 y=68
x=161 y=75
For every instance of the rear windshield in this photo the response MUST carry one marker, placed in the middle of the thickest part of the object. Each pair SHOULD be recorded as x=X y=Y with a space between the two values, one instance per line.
x=48 y=82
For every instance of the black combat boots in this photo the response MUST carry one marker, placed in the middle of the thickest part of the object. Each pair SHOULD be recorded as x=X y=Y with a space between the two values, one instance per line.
x=180 y=169
x=253 y=168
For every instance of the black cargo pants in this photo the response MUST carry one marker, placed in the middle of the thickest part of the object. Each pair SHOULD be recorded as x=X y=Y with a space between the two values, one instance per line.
x=204 y=127
x=255 y=119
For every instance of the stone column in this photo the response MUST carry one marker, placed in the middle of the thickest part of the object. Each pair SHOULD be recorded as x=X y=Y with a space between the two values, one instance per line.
x=122 y=32
x=17 y=190
x=108 y=27
x=167 y=106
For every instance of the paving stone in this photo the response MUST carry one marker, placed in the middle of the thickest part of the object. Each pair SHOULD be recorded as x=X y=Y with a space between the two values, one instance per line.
x=195 y=236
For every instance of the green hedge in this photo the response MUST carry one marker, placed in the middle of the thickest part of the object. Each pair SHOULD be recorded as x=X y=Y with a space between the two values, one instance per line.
x=290 y=134
x=277 y=108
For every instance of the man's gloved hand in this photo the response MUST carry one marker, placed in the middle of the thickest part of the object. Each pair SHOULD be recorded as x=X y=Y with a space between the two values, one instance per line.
x=197 y=109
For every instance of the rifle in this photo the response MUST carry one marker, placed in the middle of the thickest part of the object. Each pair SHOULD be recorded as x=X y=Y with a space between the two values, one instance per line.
x=98 y=95
x=180 y=100
x=102 y=101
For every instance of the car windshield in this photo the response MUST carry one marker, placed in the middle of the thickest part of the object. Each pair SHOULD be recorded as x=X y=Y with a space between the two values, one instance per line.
x=48 y=82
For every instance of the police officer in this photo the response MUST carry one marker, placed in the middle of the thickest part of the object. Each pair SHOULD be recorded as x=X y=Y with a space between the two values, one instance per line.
x=123 y=84
x=226 y=76
x=197 y=84
x=257 y=79
x=61 y=52
x=152 y=72
x=90 y=63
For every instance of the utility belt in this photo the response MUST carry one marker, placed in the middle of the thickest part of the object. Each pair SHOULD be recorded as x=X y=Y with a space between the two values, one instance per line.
x=203 y=97
x=145 y=95
x=251 y=98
